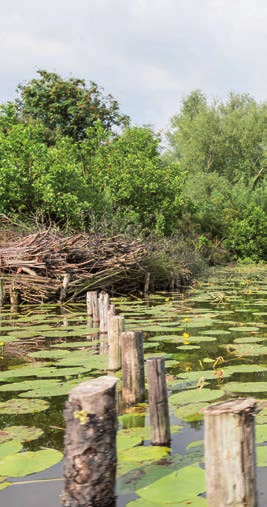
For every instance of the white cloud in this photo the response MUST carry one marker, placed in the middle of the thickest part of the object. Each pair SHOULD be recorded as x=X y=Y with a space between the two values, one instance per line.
x=147 y=53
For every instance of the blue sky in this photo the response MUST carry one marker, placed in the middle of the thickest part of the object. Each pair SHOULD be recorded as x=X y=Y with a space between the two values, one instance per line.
x=148 y=53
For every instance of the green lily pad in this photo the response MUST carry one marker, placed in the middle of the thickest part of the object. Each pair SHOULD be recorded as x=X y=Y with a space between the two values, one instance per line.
x=215 y=331
x=55 y=389
x=25 y=371
x=143 y=453
x=18 y=406
x=8 y=448
x=191 y=412
x=249 y=339
x=245 y=387
x=191 y=482
x=194 y=396
x=261 y=456
x=188 y=347
x=195 y=502
x=244 y=329
x=49 y=354
x=75 y=345
x=205 y=374
x=5 y=484
x=83 y=358
x=244 y=368
x=126 y=441
x=261 y=433
x=26 y=385
x=62 y=372
x=25 y=463
x=23 y=433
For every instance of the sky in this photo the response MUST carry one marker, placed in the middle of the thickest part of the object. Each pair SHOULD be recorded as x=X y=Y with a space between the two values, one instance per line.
x=149 y=54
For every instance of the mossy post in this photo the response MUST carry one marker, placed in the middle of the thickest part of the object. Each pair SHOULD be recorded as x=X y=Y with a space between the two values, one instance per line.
x=133 y=377
x=230 y=454
x=116 y=327
x=158 y=401
x=90 y=444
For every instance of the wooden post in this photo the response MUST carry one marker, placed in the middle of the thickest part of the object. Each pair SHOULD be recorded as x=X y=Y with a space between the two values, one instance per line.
x=90 y=444
x=116 y=327
x=103 y=302
x=133 y=383
x=158 y=401
x=2 y=292
x=111 y=313
x=89 y=304
x=147 y=283
x=95 y=306
x=230 y=453
x=64 y=287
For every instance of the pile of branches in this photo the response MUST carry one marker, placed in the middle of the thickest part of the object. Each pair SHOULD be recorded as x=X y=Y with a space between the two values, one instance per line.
x=36 y=265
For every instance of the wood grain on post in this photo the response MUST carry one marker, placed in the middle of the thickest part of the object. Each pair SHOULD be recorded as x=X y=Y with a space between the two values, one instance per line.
x=64 y=288
x=90 y=444
x=158 y=401
x=147 y=283
x=111 y=313
x=116 y=327
x=95 y=306
x=103 y=302
x=89 y=304
x=133 y=376
x=2 y=292
x=230 y=453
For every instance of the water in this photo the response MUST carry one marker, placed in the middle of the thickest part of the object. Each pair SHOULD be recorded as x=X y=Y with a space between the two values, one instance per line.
x=217 y=327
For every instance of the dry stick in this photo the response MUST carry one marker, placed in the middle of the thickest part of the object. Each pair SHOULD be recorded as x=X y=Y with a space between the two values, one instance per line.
x=133 y=385
x=158 y=401
x=103 y=302
x=230 y=453
x=116 y=327
x=90 y=444
x=64 y=287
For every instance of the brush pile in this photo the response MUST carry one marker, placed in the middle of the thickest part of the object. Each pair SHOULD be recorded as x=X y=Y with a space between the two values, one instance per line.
x=35 y=266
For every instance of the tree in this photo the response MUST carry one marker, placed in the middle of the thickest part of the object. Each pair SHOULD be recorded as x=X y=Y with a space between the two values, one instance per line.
x=67 y=106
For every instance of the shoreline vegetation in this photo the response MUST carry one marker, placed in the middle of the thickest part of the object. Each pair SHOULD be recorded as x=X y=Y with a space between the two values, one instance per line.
x=34 y=267
x=89 y=201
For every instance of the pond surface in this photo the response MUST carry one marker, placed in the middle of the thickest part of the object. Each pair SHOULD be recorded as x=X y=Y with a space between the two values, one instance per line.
x=214 y=339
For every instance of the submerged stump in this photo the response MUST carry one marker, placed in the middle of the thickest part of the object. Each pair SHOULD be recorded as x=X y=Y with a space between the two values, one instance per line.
x=230 y=453
x=90 y=444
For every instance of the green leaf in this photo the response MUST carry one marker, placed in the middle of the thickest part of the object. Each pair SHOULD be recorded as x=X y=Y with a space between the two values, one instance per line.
x=194 y=396
x=18 y=406
x=179 y=486
x=26 y=463
x=8 y=448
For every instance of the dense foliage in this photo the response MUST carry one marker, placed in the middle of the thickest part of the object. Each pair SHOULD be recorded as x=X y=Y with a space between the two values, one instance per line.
x=69 y=156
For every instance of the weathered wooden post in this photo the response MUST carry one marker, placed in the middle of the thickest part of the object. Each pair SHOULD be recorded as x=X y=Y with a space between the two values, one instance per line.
x=92 y=305
x=103 y=302
x=116 y=327
x=89 y=304
x=230 y=453
x=2 y=292
x=111 y=313
x=90 y=444
x=64 y=288
x=133 y=376
x=158 y=401
x=147 y=283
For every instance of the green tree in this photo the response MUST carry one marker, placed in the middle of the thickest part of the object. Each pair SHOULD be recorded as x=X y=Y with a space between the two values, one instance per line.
x=68 y=106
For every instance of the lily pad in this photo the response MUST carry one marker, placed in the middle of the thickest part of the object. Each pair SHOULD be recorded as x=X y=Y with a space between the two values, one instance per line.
x=8 y=448
x=49 y=354
x=244 y=329
x=23 y=433
x=191 y=412
x=245 y=387
x=7 y=339
x=195 y=502
x=194 y=396
x=143 y=453
x=191 y=482
x=18 y=406
x=25 y=463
